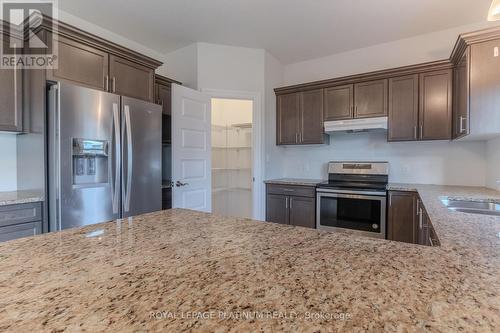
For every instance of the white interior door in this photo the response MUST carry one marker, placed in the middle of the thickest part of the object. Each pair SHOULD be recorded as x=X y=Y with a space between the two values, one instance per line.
x=191 y=149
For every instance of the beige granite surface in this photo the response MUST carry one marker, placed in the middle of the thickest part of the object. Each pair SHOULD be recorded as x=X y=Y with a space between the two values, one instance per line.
x=178 y=270
x=20 y=197
x=294 y=181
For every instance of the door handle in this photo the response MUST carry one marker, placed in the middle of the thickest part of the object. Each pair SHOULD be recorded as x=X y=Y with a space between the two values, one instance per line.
x=128 y=128
x=116 y=124
x=180 y=184
x=462 y=128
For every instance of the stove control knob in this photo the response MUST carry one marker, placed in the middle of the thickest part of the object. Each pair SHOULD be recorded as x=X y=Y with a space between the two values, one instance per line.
x=375 y=226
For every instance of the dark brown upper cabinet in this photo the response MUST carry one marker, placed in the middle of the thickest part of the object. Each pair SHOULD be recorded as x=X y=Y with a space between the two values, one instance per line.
x=339 y=103
x=81 y=64
x=360 y=100
x=370 y=99
x=485 y=89
x=131 y=79
x=11 y=98
x=163 y=94
x=299 y=118
x=287 y=119
x=460 y=125
x=91 y=61
x=311 y=117
x=435 y=105
x=403 y=108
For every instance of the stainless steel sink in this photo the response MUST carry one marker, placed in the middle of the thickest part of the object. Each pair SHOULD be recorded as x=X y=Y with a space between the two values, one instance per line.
x=484 y=207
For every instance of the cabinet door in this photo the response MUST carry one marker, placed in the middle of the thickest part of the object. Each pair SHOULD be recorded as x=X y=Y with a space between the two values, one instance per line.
x=164 y=98
x=80 y=64
x=16 y=231
x=403 y=108
x=423 y=226
x=311 y=117
x=287 y=119
x=461 y=97
x=303 y=212
x=485 y=88
x=131 y=79
x=339 y=103
x=402 y=221
x=370 y=99
x=11 y=98
x=435 y=105
x=277 y=208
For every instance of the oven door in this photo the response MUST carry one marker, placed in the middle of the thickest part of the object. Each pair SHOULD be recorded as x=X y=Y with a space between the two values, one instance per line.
x=361 y=212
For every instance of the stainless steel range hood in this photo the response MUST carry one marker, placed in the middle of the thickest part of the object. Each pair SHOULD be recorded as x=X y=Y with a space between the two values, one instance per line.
x=356 y=125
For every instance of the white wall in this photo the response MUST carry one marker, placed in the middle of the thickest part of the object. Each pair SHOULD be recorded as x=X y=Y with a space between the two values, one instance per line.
x=419 y=49
x=436 y=162
x=182 y=65
x=274 y=74
x=493 y=164
x=8 y=155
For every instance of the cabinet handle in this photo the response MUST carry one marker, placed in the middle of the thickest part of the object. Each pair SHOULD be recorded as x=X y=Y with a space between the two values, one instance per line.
x=420 y=219
x=355 y=110
x=462 y=128
x=415 y=132
x=390 y=200
x=296 y=137
x=291 y=201
x=113 y=81
x=286 y=202
x=421 y=131
x=106 y=83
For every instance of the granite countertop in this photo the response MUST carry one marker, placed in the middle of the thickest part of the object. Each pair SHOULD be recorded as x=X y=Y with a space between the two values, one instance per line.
x=20 y=197
x=294 y=181
x=180 y=270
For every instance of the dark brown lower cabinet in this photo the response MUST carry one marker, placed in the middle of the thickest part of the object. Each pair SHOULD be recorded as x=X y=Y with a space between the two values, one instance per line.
x=277 y=208
x=294 y=205
x=402 y=219
x=408 y=221
x=22 y=220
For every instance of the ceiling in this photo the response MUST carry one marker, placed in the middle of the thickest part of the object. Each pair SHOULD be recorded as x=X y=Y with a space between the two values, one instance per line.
x=291 y=30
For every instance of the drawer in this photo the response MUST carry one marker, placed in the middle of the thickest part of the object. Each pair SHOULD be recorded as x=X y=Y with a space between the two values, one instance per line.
x=21 y=213
x=296 y=190
x=16 y=231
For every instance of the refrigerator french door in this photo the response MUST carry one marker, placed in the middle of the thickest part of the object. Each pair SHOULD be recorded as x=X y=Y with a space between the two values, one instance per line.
x=104 y=156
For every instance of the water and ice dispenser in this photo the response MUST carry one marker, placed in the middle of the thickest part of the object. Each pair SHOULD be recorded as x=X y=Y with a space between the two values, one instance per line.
x=90 y=162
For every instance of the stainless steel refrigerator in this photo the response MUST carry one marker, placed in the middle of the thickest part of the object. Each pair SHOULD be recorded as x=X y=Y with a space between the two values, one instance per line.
x=104 y=156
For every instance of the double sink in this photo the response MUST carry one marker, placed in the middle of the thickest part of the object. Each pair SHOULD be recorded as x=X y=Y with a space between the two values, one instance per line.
x=484 y=207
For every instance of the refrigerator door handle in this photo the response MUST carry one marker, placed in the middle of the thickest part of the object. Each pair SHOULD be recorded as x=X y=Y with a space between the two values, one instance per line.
x=116 y=125
x=126 y=109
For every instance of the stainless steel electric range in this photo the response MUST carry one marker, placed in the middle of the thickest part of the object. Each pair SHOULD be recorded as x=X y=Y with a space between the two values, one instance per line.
x=354 y=198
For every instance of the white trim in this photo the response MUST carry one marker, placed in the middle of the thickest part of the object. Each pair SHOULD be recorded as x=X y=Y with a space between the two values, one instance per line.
x=258 y=152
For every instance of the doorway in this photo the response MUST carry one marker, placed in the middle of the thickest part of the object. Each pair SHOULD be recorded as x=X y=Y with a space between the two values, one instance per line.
x=232 y=157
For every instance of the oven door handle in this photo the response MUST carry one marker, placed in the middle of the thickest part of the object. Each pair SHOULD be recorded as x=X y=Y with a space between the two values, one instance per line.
x=351 y=196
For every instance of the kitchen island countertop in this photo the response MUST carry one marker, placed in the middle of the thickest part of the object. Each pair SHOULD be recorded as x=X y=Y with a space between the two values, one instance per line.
x=181 y=270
